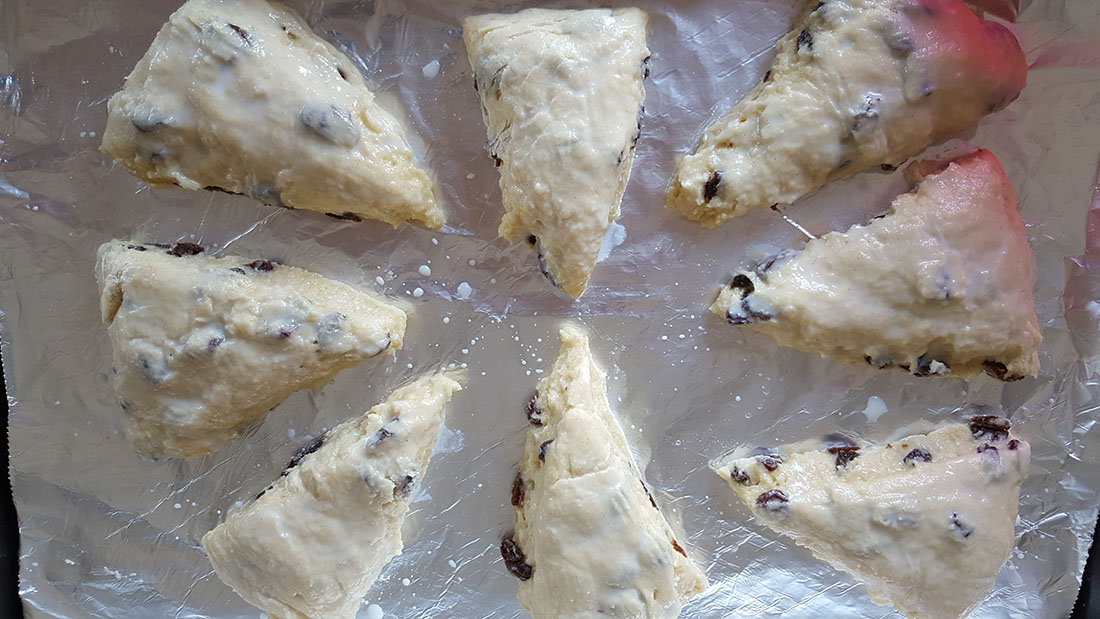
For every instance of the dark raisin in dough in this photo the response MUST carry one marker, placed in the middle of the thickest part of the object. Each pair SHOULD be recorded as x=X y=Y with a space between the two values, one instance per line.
x=775 y=501
x=844 y=455
x=304 y=451
x=534 y=413
x=739 y=476
x=185 y=249
x=261 y=265
x=710 y=189
x=770 y=462
x=542 y=450
x=519 y=490
x=958 y=527
x=805 y=39
x=989 y=426
x=347 y=216
x=676 y=546
x=514 y=559
x=917 y=455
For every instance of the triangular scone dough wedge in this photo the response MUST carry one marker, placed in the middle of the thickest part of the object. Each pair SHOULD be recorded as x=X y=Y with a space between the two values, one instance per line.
x=312 y=544
x=205 y=346
x=561 y=94
x=589 y=539
x=856 y=84
x=925 y=521
x=241 y=96
x=939 y=285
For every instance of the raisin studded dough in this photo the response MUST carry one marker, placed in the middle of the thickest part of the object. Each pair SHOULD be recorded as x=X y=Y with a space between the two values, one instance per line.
x=589 y=540
x=312 y=544
x=561 y=94
x=939 y=285
x=205 y=346
x=925 y=522
x=854 y=85
x=241 y=96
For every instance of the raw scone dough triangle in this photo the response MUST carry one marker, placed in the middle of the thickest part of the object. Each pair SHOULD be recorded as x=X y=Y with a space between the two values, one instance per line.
x=312 y=544
x=589 y=539
x=561 y=93
x=855 y=84
x=925 y=522
x=204 y=346
x=939 y=285
x=241 y=96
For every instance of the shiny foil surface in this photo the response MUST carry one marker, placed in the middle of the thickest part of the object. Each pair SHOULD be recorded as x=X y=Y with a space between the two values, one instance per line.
x=106 y=533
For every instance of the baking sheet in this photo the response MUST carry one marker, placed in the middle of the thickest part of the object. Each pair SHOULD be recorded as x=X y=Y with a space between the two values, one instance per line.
x=105 y=533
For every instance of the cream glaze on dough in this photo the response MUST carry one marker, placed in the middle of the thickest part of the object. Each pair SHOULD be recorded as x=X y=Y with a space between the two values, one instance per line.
x=941 y=284
x=589 y=539
x=925 y=521
x=313 y=543
x=561 y=94
x=204 y=346
x=241 y=96
x=856 y=84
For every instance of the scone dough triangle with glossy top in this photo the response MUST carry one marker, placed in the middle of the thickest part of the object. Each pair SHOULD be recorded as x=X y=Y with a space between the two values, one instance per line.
x=204 y=346
x=589 y=539
x=856 y=84
x=561 y=94
x=241 y=96
x=925 y=521
x=939 y=285
x=313 y=543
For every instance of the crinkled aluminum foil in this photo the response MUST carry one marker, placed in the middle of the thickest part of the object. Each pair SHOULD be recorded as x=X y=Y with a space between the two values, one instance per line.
x=105 y=533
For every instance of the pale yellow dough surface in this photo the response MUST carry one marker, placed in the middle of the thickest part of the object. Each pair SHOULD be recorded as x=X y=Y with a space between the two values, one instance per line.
x=313 y=543
x=241 y=95
x=561 y=94
x=596 y=543
x=940 y=285
x=855 y=84
x=204 y=346
x=925 y=535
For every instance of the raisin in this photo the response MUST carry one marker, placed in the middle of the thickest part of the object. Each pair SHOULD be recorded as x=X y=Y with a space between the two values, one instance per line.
x=986 y=447
x=887 y=167
x=770 y=462
x=304 y=451
x=1013 y=445
x=775 y=501
x=215 y=342
x=844 y=455
x=263 y=492
x=261 y=265
x=519 y=490
x=998 y=370
x=805 y=39
x=542 y=450
x=137 y=247
x=960 y=528
x=241 y=32
x=739 y=476
x=743 y=283
x=185 y=249
x=676 y=546
x=651 y=501
x=237 y=270
x=767 y=75
x=865 y=117
x=497 y=161
x=405 y=486
x=514 y=559
x=331 y=122
x=532 y=239
x=710 y=189
x=345 y=216
x=645 y=68
x=991 y=426
x=917 y=455
x=343 y=74
x=534 y=413
x=381 y=435
x=222 y=190
x=546 y=269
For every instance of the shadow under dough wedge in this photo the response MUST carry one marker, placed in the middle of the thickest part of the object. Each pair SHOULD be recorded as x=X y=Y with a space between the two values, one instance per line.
x=561 y=94
x=313 y=543
x=589 y=538
x=856 y=84
x=925 y=521
x=241 y=96
x=204 y=346
x=939 y=285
